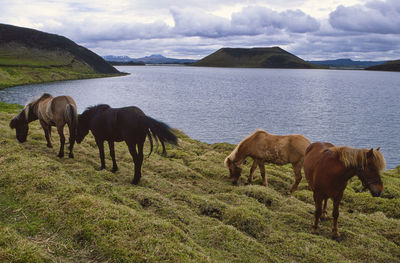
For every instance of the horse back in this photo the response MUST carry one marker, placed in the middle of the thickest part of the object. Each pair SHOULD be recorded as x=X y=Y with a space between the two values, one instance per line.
x=53 y=110
x=320 y=164
x=278 y=149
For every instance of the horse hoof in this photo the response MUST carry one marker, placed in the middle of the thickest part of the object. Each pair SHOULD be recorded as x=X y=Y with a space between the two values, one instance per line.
x=100 y=168
x=71 y=155
x=314 y=231
x=114 y=170
x=49 y=146
x=338 y=239
x=60 y=155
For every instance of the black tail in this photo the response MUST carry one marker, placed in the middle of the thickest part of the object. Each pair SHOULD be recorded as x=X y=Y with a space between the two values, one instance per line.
x=161 y=132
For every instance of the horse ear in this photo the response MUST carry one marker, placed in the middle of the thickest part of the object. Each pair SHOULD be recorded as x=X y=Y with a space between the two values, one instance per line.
x=370 y=153
x=378 y=149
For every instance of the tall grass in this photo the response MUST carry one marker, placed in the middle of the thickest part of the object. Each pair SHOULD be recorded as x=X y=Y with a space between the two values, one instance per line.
x=183 y=210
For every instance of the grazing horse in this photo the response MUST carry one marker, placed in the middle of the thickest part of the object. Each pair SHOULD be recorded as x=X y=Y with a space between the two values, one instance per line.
x=264 y=147
x=50 y=111
x=127 y=124
x=328 y=168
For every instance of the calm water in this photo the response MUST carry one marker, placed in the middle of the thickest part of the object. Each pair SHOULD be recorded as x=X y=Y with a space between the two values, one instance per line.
x=355 y=108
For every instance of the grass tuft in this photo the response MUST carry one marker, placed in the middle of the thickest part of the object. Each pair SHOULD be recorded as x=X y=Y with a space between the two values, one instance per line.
x=184 y=209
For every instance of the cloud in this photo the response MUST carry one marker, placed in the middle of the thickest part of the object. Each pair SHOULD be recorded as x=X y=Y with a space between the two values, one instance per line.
x=259 y=19
x=249 y=21
x=194 y=29
x=198 y=23
x=381 y=17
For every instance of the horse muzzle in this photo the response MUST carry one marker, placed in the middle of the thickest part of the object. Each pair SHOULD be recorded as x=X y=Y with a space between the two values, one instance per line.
x=376 y=189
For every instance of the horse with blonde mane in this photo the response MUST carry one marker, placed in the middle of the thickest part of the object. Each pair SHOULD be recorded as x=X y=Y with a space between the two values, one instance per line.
x=50 y=111
x=264 y=147
x=328 y=168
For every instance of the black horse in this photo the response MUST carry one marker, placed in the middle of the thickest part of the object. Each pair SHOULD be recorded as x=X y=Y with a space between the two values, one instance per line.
x=127 y=124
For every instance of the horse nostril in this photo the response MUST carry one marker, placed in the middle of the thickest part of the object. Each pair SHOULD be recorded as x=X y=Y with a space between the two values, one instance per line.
x=376 y=194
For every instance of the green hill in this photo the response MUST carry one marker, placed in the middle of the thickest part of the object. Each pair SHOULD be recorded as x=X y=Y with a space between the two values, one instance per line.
x=388 y=66
x=183 y=210
x=31 y=56
x=272 y=57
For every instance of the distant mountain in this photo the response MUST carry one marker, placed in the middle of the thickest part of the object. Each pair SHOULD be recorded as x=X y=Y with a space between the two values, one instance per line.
x=152 y=59
x=32 y=56
x=346 y=63
x=266 y=57
x=388 y=66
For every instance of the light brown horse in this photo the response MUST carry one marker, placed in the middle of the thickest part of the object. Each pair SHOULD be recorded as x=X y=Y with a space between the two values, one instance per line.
x=328 y=168
x=50 y=111
x=264 y=147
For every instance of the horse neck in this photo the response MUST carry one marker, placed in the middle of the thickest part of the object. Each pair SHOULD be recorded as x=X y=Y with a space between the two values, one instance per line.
x=33 y=113
x=239 y=156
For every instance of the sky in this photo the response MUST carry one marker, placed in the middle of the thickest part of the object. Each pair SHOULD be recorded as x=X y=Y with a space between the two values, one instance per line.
x=310 y=29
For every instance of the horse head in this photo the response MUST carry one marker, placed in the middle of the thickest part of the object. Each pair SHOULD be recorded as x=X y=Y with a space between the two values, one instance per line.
x=20 y=124
x=370 y=174
x=234 y=170
x=83 y=127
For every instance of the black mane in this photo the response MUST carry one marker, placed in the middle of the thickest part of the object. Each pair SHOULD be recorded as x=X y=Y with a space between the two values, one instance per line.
x=89 y=111
x=98 y=107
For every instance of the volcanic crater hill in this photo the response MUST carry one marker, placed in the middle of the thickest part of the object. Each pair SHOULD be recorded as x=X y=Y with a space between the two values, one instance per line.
x=265 y=57
x=31 y=56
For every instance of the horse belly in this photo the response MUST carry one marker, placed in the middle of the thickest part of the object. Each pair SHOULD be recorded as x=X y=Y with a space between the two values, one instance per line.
x=275 y=157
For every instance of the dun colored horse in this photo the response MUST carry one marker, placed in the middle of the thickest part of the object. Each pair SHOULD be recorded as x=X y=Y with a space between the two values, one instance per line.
x=50 y=111
x=328 y=168
x=127 y=124
x=264 y=147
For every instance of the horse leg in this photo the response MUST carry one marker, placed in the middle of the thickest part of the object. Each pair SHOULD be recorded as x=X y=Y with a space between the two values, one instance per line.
x=324 y=215
x=297 y=175
x=47 y=133
x=262 y=171
x=72 y=137
x=60 y=130
x=137 y=160
x=112 y=153
x=100 y=145
x=318 y=212
x=335 y=214
x=252 y=169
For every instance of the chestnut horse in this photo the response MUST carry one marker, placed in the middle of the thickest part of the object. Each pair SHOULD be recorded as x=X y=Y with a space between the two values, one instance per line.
x=50 y=111
x=264 y=147
x=328 y=168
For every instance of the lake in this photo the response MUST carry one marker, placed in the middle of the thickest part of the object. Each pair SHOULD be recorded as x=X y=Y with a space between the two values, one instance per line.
x=345 y=107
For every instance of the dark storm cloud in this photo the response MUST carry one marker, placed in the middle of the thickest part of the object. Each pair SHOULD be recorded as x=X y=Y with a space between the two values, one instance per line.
x=382 y=17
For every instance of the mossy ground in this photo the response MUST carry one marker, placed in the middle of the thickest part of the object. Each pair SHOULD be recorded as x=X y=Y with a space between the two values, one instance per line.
x=183 y=210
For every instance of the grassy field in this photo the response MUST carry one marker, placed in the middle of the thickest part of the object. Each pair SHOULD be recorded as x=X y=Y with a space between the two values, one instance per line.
x=20 y=65
x=183 y=210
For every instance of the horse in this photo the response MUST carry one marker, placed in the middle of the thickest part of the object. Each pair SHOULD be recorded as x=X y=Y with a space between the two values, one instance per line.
x=50 y=111
x=128 y=124
x=328 y=168
x=264 y=147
